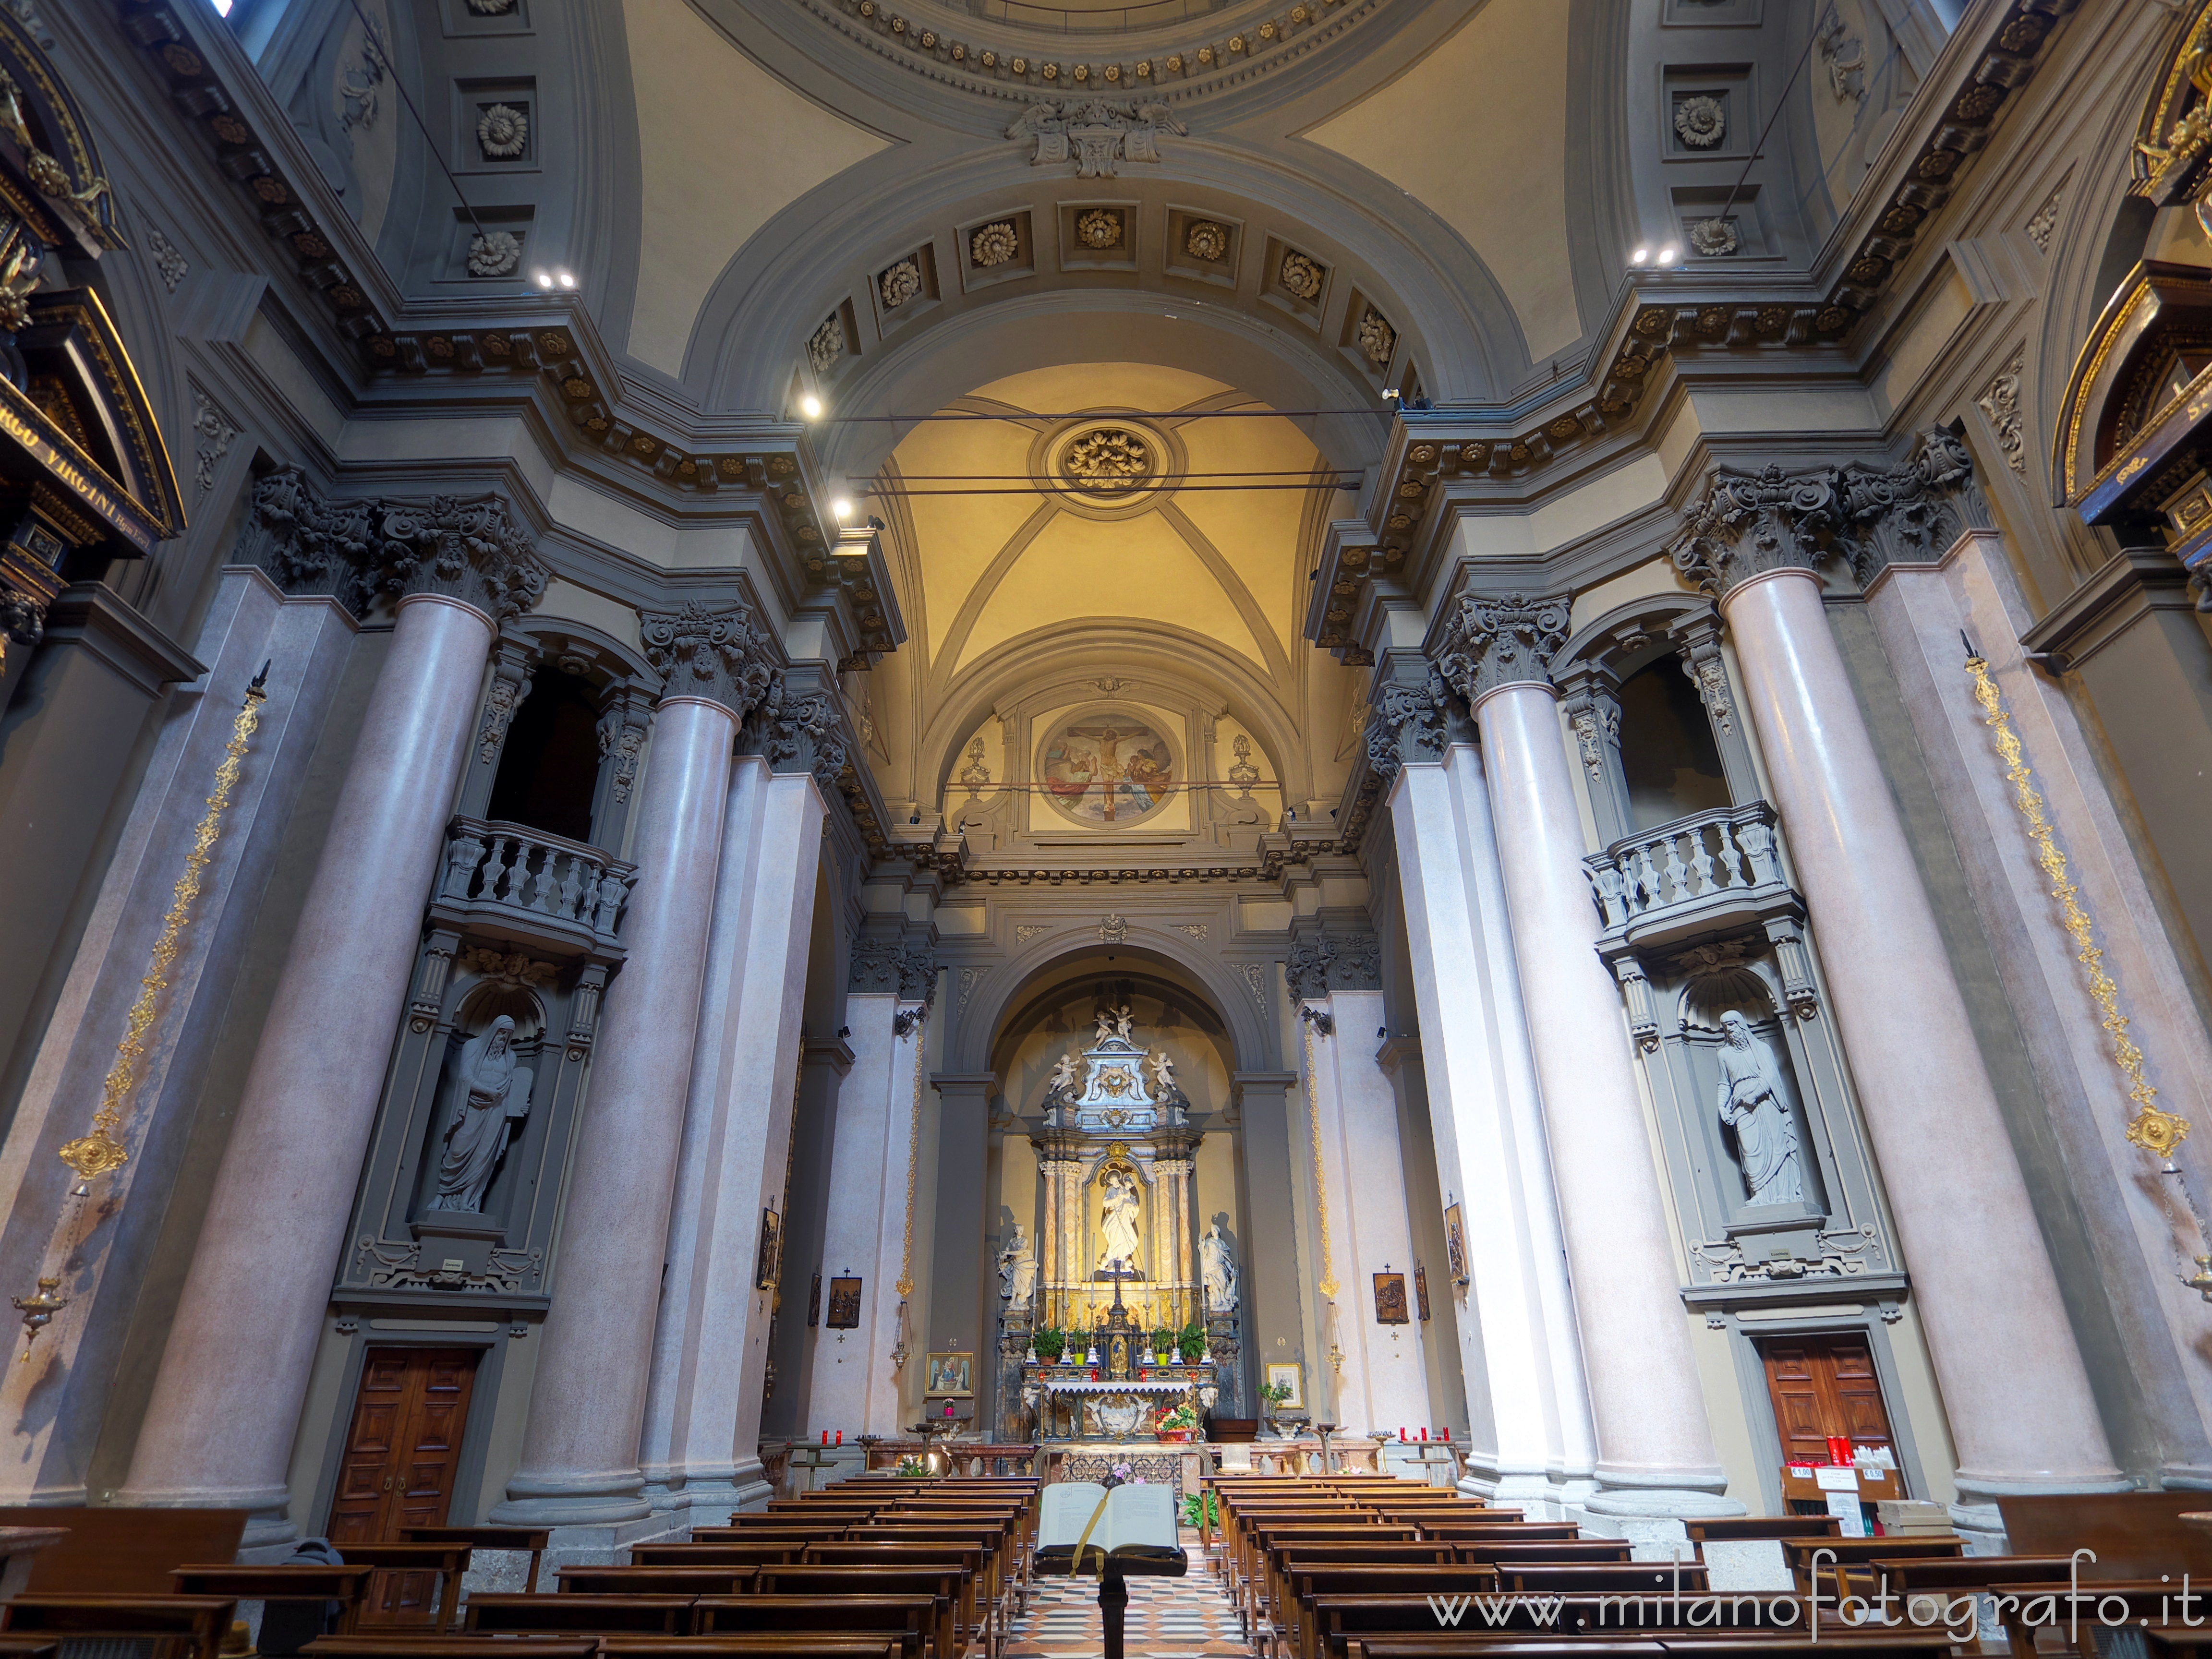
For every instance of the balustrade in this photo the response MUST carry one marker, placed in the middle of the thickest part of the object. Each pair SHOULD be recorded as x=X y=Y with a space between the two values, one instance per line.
x=525 y=876
x=1690 y=869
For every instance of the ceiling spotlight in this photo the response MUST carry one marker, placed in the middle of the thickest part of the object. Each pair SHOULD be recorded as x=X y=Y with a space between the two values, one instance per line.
x=544 y=279
x=811 y=407
x=843 y=509
x=1666 y=254
x=564 y=279
x=1639 y=256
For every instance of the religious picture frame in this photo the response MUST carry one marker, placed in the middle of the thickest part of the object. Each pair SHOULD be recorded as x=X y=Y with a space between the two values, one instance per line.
x=814 y=1303
x=1421 y=1290
x=1391 y=1300
x=1289 y=1375
x=844 y=1304
x=769 y=1270
x=1456 y=1244
x=950 y=1377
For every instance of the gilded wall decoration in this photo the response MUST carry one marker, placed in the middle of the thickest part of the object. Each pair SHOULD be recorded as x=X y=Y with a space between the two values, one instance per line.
x=1107 y=768
x=1206 y=240
x=502 y=132
x=1378 y=339
x=1108 y=460
x=995 y=244
x=1301 y=275
x=1700 y=121
x=1099 y=227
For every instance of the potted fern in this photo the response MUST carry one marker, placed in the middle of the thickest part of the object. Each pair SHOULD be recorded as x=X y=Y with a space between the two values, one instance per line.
x=1190 y=1341
x=1050 y=1343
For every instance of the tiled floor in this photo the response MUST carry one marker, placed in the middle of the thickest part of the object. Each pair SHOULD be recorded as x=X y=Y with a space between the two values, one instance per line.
x=1167 y=1618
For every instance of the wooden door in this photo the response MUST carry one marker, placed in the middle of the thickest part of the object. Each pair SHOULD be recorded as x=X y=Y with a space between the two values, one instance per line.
x=1822 y=1386
x=401 y=1454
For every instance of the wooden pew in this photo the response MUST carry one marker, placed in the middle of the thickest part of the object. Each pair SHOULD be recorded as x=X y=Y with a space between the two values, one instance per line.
x=400 y=1644
x=1846 y=1558
x=1610 y=1579
x=753 y=1644
x=728 y=1579
x=122 y=1551
x=1297 y=1625
x=1760 y=1526
x=972 y=1561
x=577 y=1615
x=530 y=1540
x=185 y=1626
x=395 y=1594
x=715 y=1554
x=944 y=1586
x=995 y=1538
x=287 y=1582
x=913 y=1619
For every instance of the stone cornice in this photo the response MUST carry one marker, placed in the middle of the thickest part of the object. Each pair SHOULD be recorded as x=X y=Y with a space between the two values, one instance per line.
x=1748 y=524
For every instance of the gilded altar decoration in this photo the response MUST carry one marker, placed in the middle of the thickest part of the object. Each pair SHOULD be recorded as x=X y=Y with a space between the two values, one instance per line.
x=1107 y=768
x=99 y=1151
x=2156 y=1130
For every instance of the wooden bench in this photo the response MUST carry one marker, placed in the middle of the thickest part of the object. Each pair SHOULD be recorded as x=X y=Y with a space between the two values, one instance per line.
x=946 y=1587
x=288 y=1582
x=179 y=1625
x=397 y=1644
x=395 y=1594
x=913 y=1619
x=787 y=1644
x=717 y=1553
x=732 y=1578
x=1297 y=1626
x=576 y=1615
x=521 y=1540
x=1763 y=1527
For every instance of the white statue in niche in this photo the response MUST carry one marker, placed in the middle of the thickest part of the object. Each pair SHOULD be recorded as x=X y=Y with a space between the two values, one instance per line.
x=1018 y=1271
x=491 y=1093
x=1118 y=1224
x=1218 y=1266
x=1752 y=1105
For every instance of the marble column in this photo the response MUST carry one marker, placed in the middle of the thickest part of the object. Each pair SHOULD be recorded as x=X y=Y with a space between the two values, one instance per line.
x=1658 y=1464
x=579 y=1469
x=873 y=1165
x=1920 y=608
x=250 y=622
x=218 y=1430
x=1528 y=1404
x=2014 y=1388
x=1382 y=1383
x=1270 y=1311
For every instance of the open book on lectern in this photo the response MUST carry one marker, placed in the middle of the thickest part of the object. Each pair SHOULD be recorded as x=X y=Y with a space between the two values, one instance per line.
x=1134 y=1524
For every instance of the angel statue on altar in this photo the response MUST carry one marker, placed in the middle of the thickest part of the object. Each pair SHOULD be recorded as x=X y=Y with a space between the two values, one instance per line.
x=1118 y=1224
x=1063 y=1077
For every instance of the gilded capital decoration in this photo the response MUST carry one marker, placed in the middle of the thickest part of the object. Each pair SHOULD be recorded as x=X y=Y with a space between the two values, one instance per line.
x=1746 y=524
x=1410 y=722
x=717 y=654
x=466 y=548
x=1494 y=641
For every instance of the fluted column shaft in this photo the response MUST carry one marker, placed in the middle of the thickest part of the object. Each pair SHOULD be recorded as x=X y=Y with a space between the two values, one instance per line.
x=1656 y=1451
x=2014 y=1388
x=218 y=1429
x=580 y=1460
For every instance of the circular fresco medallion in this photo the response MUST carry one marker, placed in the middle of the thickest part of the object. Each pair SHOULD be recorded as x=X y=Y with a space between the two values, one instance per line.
x=1107 y=768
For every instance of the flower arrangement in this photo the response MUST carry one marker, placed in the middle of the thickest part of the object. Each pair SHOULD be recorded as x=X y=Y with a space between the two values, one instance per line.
x=1123 y=1474
x=911 y=1468
x=1178 y=1424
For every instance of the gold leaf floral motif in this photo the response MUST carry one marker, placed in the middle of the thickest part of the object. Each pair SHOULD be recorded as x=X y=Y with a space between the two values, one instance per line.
x=995 y=243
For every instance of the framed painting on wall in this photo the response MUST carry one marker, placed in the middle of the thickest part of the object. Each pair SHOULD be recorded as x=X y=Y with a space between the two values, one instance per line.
x=1391 y=1300
x=844 y=1304
x=952 y=1376
x=1292 y=1376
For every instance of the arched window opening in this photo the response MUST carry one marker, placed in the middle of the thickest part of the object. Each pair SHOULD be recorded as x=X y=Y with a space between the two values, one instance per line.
x=551 y=766
x=1667 y=755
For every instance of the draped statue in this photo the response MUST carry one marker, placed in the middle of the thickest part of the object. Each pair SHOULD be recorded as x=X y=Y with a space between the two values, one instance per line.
x=490 y=1094
x=1752 y=1105
x=1018 y=1271
x=1219 y=1267
x=1118 y=1224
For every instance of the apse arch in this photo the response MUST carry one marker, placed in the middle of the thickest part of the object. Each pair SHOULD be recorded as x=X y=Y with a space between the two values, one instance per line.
x=1049 y=962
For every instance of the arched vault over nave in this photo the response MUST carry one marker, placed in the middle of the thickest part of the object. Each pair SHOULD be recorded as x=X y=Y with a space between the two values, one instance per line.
x=1297 y=667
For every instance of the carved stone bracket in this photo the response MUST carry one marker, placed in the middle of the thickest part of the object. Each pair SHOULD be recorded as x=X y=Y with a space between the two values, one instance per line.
x=1494 y=641
x=1746 y=524
x=717 y=654
x=467 y=548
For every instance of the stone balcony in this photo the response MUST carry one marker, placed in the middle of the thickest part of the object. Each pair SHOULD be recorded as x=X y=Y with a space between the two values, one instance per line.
x=509 y=882
x=1704 y=873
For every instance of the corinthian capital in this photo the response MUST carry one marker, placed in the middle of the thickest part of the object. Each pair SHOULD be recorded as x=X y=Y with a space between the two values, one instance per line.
x=716 y=655
x=803 y=731
x=1492 y=643
x=1871 y=514
x=353 y=548
x=1411 y=721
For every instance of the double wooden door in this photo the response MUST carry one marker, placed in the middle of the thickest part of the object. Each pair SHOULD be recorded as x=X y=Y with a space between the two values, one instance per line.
x=1823 y=1386
x=402 y=1454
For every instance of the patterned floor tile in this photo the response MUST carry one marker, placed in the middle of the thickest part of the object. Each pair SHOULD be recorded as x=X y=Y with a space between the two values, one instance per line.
x=1167 y=1618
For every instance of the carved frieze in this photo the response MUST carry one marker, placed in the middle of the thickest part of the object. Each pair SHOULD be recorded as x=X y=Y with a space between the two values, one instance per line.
x=887 y=964
x=1097 y=134
x=1324 y=961
x=1494 y=641
x=717 y=654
